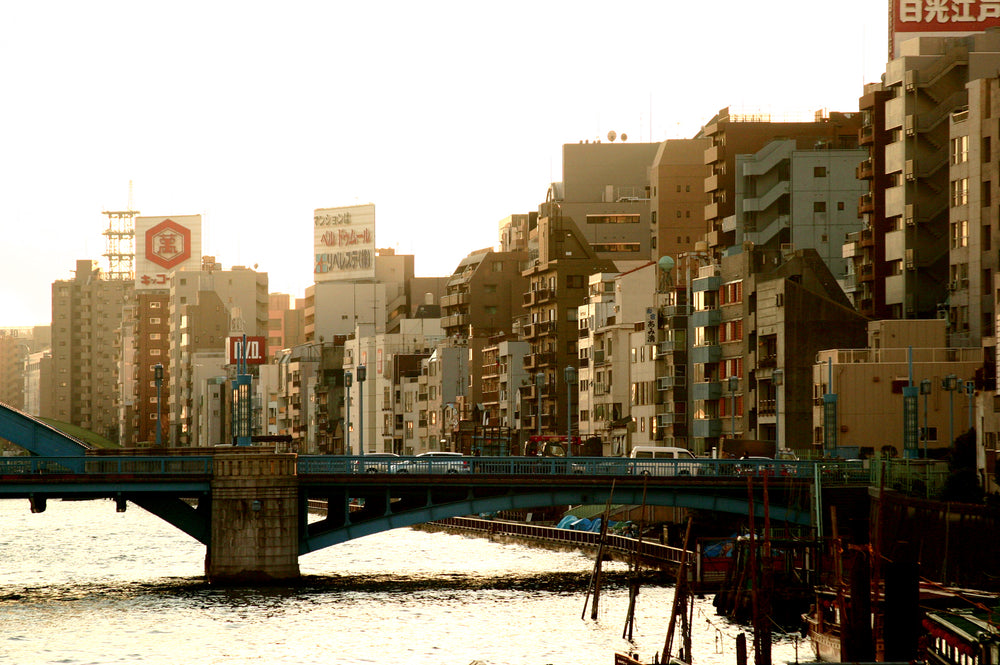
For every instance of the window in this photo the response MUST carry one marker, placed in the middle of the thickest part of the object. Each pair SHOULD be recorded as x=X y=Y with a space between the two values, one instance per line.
x=653 y=217
x=154 y=336
x=154 y=321
x=819 y=206
x=819 y=171
x=959 y=234
x=490 y=288
x=960 y=150
x=840 y=205
x=155 y=304
x=154 y=352
x=959 y=192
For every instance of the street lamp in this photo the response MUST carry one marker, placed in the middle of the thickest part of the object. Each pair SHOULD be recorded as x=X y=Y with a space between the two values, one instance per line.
x=539 y=382
x=777 y=378
x=970 y=388
x=158 y=376
x=734 y=384
x=925 y=390
x=348 y=380
x=362 y=375
x=949 y=383
x=570 y=374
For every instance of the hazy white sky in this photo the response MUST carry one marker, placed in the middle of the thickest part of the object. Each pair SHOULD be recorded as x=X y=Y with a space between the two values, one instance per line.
x=448 y=116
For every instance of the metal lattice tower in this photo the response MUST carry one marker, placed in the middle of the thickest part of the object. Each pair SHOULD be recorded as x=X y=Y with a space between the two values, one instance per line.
x=120 y=242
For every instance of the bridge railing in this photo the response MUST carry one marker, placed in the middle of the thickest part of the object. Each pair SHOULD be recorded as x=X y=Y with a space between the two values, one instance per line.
x=106 y=465
x=828 y=471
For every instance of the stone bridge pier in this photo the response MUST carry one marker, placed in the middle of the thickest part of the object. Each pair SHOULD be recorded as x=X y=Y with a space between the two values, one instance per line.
x=255 y=519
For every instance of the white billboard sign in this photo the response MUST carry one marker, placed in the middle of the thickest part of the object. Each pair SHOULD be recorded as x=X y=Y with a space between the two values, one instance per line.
x=344 y=243
x=163 y=245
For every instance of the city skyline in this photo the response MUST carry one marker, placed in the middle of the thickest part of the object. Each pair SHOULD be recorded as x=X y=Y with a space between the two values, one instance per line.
x=447 y=118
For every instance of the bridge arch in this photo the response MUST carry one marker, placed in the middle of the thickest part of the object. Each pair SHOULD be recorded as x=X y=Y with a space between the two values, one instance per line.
x=382 y=511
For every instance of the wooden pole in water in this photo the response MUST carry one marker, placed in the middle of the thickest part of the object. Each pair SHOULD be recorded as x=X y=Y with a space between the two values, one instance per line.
x=633 y=586
x=595 y=576
x=680 y=597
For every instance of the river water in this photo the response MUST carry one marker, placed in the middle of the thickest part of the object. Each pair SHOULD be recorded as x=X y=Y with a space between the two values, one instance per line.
x=81 y=583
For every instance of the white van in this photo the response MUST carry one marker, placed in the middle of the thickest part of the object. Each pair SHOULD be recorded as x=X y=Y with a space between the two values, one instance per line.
x=663 y=461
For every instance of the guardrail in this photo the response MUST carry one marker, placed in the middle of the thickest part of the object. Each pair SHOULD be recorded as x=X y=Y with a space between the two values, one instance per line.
x=829 y=471
x=926 y=477
x=106 y=465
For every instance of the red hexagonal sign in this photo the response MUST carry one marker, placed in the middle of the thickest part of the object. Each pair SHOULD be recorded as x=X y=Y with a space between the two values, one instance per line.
x=168 y=244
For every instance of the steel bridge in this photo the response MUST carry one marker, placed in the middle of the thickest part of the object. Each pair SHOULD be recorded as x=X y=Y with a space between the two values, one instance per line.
x=366 y=495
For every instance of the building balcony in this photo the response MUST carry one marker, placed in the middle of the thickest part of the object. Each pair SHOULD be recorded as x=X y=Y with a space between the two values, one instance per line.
x=548 y=328
x=600 y=358
x=713 y=155
x=865 y=170
x=866 y=135
x=711 y=211
x=706 y=390
x=455 y=320
x=668 y=419
x=547 y=359
x=669 y=382
x=454 y=300
x=708 y=353
x=706 y=318
x=866 y=204
x=706 y=427
x=711 y=183
x=669 y=346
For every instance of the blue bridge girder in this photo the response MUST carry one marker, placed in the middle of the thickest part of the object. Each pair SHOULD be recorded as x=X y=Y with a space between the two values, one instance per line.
x=37 y=437
x=359 y=506
x=363 y=498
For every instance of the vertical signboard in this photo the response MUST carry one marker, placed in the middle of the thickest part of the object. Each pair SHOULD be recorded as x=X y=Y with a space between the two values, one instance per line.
x=165 y=244
x=344 y=243
x=938 y=18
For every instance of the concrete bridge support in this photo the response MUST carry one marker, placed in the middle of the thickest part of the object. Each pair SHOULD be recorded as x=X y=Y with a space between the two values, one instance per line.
x=255 y=519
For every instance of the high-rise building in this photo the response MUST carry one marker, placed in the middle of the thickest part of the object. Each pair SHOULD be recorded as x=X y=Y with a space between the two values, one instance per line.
x=560 y=264
x=735 y=134
x=901 y=257
x=605 y=193
x=677 y=200
x=86 y=313
x=789 y=198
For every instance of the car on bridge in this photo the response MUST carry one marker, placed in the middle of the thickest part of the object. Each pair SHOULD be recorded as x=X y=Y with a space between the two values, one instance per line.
x=375 y=463
x=663 y=461
x=434 y=461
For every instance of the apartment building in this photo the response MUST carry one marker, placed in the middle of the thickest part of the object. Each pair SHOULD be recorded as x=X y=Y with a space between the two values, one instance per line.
x=789 y=197
x=86 y=313
x=373 y=408
x=738 y=134
x=677 y=198
x=605 y=192
x=561 y=263
x=484 y=294
x=503 y=375
x=755 y=313
x=206 y=306
x=902 y=257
